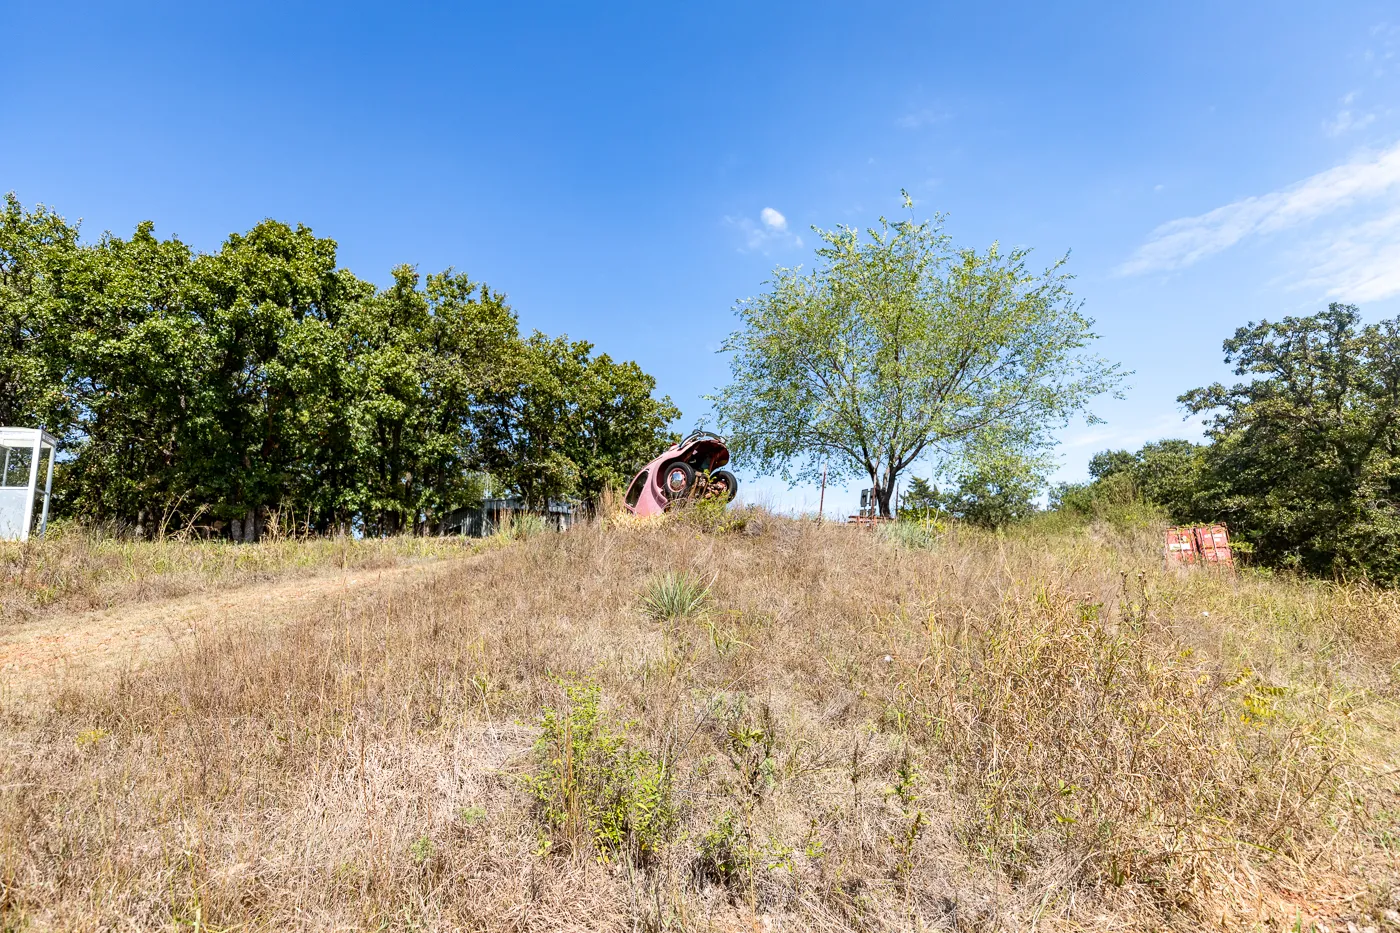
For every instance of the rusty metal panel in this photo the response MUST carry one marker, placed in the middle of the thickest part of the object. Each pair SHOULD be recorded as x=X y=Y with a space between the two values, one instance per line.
x=1213 y=544
x=1181 y=546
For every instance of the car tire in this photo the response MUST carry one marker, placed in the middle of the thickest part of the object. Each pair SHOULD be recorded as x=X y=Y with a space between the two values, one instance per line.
x=729 y=481
x=677 y=479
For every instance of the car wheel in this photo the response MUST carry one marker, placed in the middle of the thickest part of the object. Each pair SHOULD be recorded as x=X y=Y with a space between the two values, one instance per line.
x=677 y=479
x=729 y=481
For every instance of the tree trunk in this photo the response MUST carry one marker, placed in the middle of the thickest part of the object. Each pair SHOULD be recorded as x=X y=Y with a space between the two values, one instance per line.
x=883 y=494
x=235 y=530
x=250 y=526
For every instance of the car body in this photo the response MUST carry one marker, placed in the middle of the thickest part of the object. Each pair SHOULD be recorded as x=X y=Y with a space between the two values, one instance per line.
x=684 y=471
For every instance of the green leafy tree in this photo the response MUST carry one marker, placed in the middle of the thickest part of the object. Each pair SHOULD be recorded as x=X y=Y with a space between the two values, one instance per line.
x=899 y=347
x=137 y=362
x=565 y=423
x=1304 y=461
x=269 y=303
x=423 y=358
x=1167 y=476
x=992 y=500
x=37 y=250
x=1107 y=463
x=921 y=499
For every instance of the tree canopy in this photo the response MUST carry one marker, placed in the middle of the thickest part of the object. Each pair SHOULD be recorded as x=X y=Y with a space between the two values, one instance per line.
x=899 y=347
x=216 y=388
x=1305 y=456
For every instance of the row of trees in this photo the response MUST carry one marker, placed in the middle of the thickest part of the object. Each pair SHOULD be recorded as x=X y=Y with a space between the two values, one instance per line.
x=1302 y=459
x=217 y=387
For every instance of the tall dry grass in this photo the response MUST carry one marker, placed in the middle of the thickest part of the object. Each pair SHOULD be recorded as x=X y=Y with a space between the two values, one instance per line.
x=990 y=732
x=77 y=568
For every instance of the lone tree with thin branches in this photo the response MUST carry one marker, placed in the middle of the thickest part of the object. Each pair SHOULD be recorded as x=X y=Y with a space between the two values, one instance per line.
x=899 y=346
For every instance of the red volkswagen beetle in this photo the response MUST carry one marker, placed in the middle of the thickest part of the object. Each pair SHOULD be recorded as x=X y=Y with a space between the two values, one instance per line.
x=690 y=469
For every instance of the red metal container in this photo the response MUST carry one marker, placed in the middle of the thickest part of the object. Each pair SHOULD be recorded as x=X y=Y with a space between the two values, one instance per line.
x=1181 y=546
x=1203 y=544
x=1213 y=544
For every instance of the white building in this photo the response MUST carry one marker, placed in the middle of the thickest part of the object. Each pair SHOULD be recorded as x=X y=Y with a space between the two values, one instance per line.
x=21 y=450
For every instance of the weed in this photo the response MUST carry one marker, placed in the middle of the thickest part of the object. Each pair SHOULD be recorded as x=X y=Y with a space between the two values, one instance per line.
x=725 y=855
x=421 y=850
x=723 y=639
x=918 y=535
x=89 y=737
x=591 y=788
x=749 y=741
x=711 y=515
x=904 y=791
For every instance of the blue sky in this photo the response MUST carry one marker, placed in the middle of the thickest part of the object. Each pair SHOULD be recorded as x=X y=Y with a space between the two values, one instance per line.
x=626 y=172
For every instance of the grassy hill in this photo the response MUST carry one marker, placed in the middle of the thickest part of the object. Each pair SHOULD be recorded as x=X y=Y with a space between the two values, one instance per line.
x=776 y=725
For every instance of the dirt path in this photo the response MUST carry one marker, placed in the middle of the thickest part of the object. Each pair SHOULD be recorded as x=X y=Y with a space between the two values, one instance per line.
x=132 y=633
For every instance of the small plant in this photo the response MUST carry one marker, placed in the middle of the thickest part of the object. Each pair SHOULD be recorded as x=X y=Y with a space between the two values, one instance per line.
x=723 y=640
x=919 y=535
x=675 y=595
x=89 y=737
x=812 y=845
x=591 y=788
x=726 y=853
x=421 y=850
x=904 y=790
x=750 y=742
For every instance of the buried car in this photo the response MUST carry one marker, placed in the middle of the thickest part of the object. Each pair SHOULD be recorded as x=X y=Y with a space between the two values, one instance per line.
x=688 y=470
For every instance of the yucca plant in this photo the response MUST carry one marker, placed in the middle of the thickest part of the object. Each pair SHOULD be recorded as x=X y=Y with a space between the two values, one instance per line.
x=675 y=595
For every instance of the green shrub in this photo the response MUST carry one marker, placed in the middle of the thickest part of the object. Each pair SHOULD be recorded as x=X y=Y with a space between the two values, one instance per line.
x=675 y=595
x=712 y=515
x=1113 y=498
x=593 y=789
x=726 y=853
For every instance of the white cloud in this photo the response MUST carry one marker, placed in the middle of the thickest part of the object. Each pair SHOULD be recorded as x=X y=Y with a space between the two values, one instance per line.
x=768 y=232
x=1367 y=182
x=1347 y=119
x=1358 y=263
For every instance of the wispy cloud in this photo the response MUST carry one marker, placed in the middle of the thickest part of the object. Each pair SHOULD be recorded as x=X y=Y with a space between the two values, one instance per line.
x=1358 y=263
x=918 y=119
x=1132 y=436
x=1347 y=118
x=771 y=230
x=1350 y=261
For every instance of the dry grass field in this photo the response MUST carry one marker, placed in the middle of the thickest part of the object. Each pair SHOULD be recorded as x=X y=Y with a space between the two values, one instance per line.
x=771 y=725
x=77 y=570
